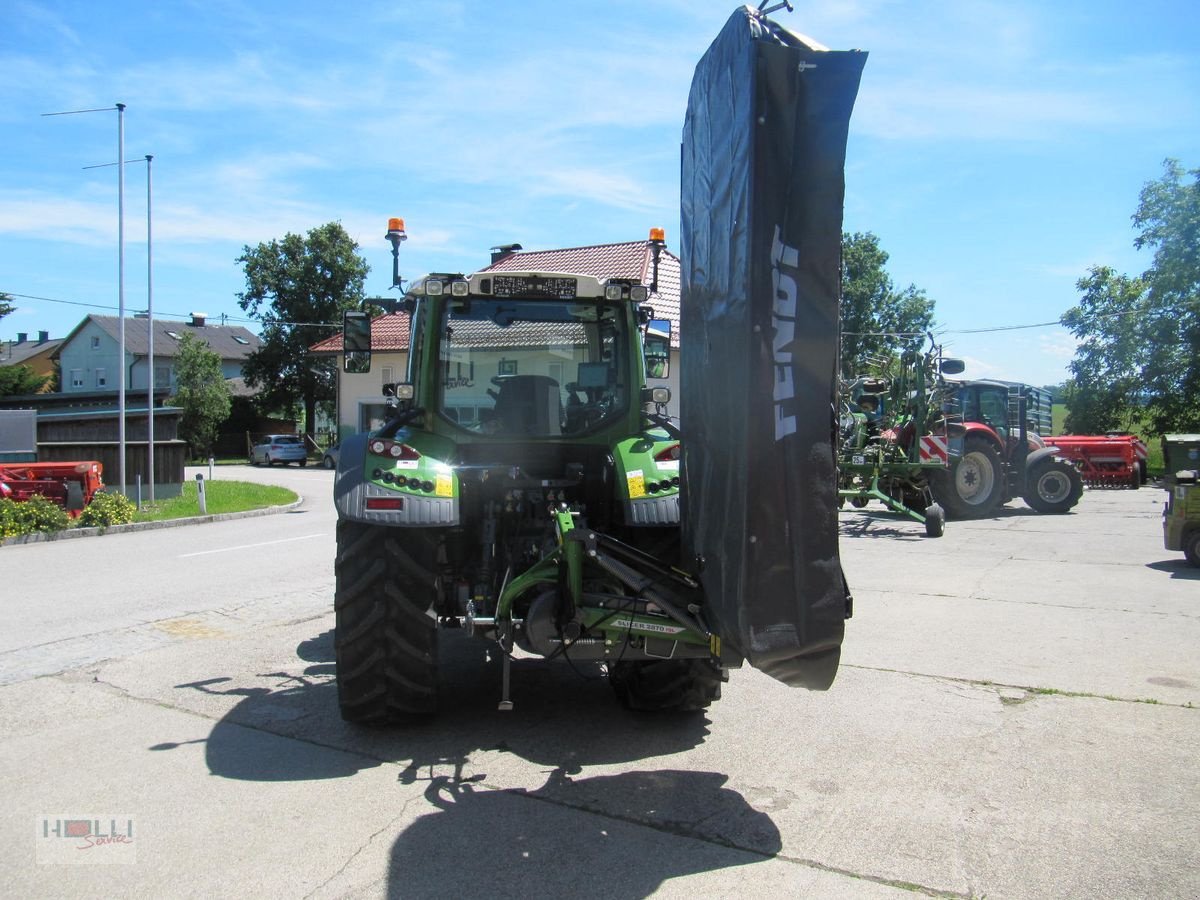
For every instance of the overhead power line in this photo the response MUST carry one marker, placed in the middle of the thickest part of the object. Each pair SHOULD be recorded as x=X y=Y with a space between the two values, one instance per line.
x=169 y=315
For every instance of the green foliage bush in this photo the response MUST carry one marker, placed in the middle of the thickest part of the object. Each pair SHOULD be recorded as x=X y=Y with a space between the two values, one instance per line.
x=28 y=516
x=107 y=509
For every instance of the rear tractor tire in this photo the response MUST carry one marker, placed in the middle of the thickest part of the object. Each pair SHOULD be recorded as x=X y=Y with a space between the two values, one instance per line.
x=667 y=685
x=385 y=635
x=1191 y=548
x=1055 y=486
x=974 y=484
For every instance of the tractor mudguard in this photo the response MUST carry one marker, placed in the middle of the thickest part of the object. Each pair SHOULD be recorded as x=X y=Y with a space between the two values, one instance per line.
x=763 y=158
x=1038 y=455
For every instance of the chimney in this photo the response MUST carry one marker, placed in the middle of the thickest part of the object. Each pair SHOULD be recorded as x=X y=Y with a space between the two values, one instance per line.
x=43 y=336
x=22 y=337
x=198 y=319
x=503 y=250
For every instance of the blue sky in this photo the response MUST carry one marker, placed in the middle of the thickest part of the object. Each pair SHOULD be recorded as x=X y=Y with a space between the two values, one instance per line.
x=997 y=148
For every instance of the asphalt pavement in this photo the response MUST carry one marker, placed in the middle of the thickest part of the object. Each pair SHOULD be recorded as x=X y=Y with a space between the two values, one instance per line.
x=1014 y=717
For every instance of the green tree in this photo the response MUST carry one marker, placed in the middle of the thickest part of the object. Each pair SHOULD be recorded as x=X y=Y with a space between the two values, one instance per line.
x=202 y=392
x=6 y=304
x=16 y=380
x=1139 y=351
x=878 y=321
x=298 y=288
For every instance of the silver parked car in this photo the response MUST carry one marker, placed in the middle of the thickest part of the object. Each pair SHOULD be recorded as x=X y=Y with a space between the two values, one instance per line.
x=279 y=448
x=330 y=459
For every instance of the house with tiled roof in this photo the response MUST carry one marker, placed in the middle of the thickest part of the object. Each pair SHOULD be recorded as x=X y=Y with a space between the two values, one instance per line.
x=360 y=396
x=36 y=355
x=90 y=355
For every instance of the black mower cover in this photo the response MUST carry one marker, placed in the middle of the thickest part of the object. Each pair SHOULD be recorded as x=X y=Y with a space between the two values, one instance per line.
x=764 y=147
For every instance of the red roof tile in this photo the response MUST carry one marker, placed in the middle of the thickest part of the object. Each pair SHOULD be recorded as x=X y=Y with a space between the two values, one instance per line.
x=388 y=333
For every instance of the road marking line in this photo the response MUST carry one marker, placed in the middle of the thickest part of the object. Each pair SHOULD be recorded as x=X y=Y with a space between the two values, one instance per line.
x=250 y=546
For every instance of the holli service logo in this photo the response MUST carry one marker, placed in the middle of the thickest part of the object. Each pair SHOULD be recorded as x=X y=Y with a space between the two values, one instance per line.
x=86 y=840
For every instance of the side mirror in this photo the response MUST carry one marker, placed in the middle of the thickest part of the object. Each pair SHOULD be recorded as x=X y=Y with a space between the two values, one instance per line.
x=356 y=342
x=952 y=367
x=656 y=345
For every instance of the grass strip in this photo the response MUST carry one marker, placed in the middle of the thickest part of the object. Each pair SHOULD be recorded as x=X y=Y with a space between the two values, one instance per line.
x=220 y=497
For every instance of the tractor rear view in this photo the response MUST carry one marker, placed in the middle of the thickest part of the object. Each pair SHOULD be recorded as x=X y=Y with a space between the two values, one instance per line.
x=997 y=453
x=529 y=489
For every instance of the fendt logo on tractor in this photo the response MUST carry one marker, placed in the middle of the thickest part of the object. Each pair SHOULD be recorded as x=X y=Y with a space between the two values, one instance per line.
x=783 y=320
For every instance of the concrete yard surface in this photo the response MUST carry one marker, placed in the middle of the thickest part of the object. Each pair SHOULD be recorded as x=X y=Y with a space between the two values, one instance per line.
x=1014 y=717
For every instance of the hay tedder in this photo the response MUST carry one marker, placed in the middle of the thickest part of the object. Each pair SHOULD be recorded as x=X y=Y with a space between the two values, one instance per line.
x=893 y=436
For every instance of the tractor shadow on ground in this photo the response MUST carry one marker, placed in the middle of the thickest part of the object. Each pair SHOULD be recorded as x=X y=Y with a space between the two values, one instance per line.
x=607 y=836
x=616 y=835
x=287 y=727
x=1178 y=568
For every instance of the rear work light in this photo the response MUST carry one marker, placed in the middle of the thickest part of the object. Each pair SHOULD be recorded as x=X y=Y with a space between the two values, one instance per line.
x=670 y=454
x=385 y=503
x=394 y=449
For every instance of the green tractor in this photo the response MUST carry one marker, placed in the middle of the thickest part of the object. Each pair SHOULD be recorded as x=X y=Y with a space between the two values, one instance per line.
x=529 y=487
x=525 y=490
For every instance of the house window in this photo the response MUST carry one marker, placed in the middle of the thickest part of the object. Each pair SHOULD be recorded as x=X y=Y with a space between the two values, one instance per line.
x=77 y=378
x=101 y=378
x=95 y=342
x=162 y=376
x=387 y=375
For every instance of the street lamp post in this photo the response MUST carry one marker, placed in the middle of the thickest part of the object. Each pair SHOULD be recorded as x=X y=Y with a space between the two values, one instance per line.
x=149 y=329
x=120 y=108
x=149 y=314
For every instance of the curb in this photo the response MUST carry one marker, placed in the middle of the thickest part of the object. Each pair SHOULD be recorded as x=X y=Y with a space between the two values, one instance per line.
x=73 y=533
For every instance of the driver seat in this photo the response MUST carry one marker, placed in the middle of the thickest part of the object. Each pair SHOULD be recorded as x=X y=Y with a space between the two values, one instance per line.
x=529 y=404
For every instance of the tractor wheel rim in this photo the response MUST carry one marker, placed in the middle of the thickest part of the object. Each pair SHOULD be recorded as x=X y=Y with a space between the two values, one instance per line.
x=1053 y=487
x=974 y=478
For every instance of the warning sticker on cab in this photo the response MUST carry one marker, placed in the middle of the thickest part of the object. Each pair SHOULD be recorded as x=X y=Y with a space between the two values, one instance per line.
x=445 y=486
x=637 y=483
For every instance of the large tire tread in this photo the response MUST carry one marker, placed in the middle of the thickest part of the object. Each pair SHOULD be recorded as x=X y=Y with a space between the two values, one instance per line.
x=385 y=638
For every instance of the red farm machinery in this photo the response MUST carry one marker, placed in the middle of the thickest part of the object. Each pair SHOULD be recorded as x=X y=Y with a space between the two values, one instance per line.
x=1105 y=460
x=69 y=484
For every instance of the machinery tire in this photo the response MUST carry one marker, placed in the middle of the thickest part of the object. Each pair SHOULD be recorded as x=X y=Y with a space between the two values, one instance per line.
x=974 y=484
x=1191 y=548
x=1135 y=478
x=385 y=634
x=303 y=463
x=935 y=521
x=667 y=685
x=1054 y=486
